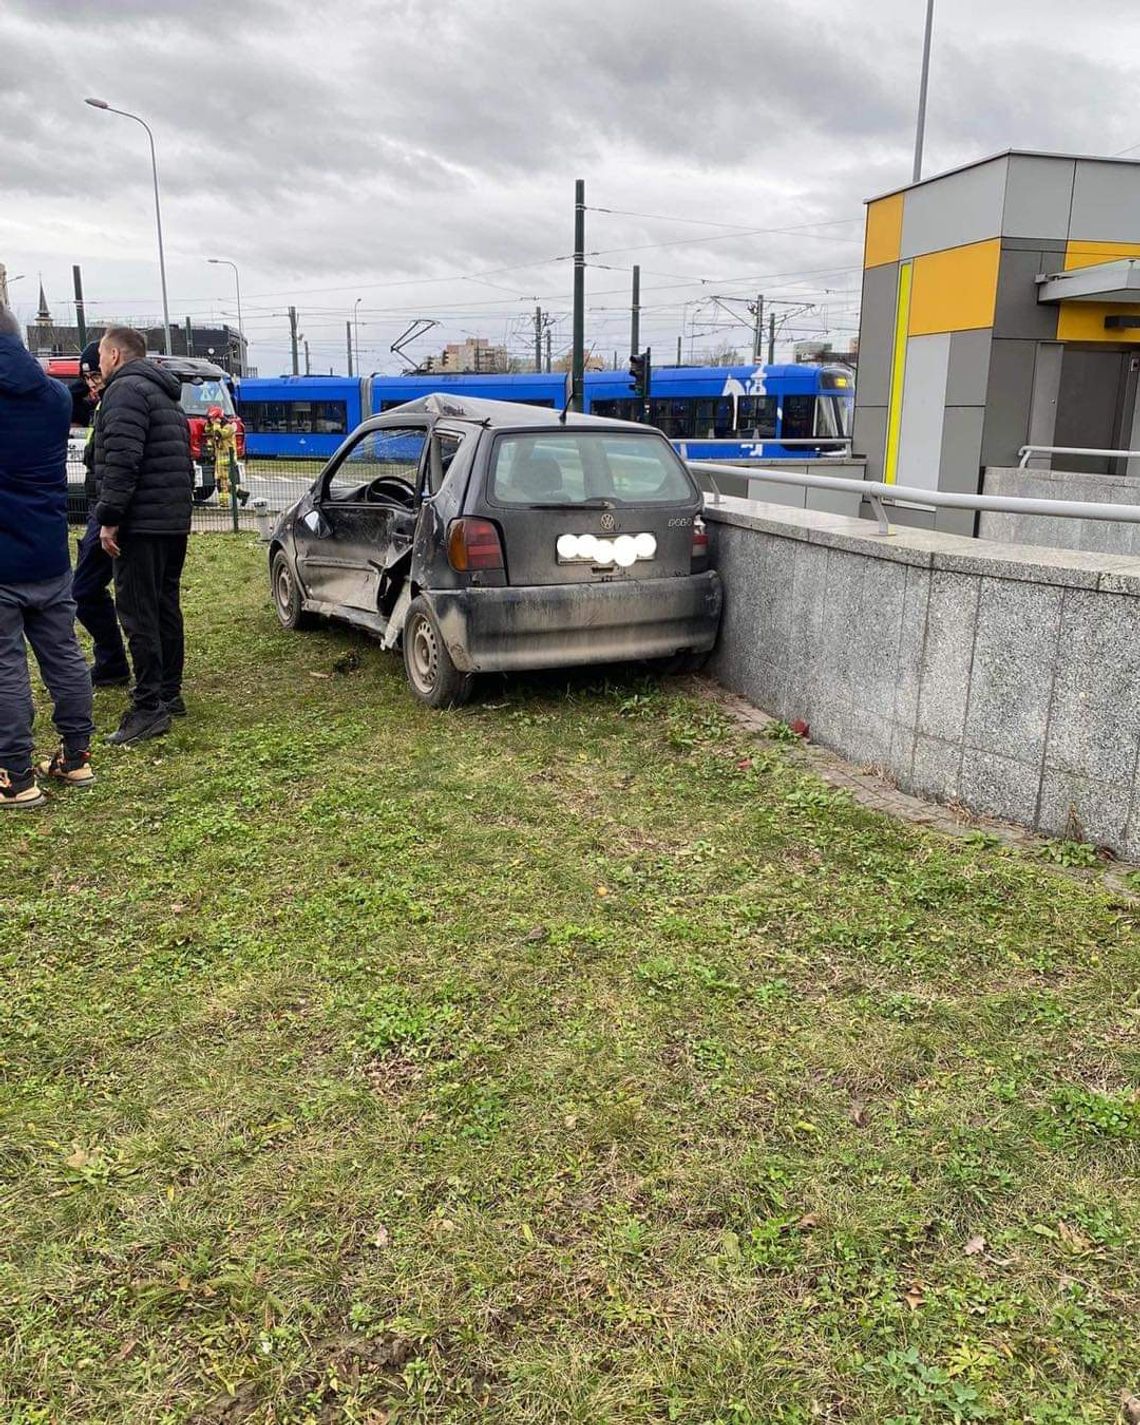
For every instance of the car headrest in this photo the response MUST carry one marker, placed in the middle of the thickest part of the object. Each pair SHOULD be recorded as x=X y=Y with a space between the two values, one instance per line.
x=539 y=477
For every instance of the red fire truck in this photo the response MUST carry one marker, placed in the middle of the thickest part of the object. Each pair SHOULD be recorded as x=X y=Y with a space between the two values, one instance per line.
x=204 y=385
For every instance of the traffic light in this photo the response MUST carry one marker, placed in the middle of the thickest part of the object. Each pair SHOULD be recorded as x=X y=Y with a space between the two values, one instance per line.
x=639 y=373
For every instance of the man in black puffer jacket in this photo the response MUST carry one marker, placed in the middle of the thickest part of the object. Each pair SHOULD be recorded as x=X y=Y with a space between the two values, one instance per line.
x=144 y=481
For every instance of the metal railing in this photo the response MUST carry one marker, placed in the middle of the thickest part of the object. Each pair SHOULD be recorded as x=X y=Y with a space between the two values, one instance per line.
x=1030 y=452
x=827 y=445
x=879 y=494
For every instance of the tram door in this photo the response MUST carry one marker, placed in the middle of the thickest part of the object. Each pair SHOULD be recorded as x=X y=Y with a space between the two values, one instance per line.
x=1096 y=407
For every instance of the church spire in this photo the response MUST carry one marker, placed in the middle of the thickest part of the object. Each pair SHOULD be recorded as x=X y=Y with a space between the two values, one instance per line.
x=43 y=316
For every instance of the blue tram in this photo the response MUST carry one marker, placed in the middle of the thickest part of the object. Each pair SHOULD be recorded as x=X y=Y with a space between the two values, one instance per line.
x=747 y=411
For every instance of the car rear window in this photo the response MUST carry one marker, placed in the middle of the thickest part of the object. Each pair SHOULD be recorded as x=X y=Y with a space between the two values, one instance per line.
x=582 y=466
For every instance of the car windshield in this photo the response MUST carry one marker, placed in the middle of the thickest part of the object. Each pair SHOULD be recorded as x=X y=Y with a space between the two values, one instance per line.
x=198 y=397
x=587 y=467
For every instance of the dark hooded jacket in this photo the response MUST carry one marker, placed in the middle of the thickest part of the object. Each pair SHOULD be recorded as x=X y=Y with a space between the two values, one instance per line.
x=143 y=473
x=35 y=413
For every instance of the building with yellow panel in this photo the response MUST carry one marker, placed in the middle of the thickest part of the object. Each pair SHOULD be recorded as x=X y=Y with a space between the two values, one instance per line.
x=998 y=302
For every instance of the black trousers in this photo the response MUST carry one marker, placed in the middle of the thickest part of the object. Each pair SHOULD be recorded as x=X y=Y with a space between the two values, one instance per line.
x=148 y=577
x=94 y=608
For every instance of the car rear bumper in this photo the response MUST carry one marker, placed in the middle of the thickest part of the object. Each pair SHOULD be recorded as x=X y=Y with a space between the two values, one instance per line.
x=548 y=626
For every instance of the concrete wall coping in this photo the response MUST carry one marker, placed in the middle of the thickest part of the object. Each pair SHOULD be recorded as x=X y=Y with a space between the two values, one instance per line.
x=931 y=549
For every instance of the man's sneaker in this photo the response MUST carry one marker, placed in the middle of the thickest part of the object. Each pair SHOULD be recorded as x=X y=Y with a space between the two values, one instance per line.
x=175 y=707
x=20 y=790
x=73 y=769
x=139 y=724
x=110 y=680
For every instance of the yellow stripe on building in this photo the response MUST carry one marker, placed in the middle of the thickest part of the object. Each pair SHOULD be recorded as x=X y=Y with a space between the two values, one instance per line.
x=898 y=373
x=955 y=290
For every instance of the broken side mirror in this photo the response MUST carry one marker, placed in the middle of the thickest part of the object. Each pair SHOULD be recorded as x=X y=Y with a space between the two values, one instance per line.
x=315 y=523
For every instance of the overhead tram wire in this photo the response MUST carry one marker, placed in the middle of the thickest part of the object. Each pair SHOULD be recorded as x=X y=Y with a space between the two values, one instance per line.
x=736 y=227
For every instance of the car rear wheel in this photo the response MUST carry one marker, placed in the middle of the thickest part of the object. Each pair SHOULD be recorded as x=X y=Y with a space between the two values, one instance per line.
x=286 y=595
x=678 y=663
x=432 y=675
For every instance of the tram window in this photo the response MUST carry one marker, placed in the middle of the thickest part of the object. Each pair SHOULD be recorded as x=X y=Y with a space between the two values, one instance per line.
x=250 y=413
x=831 y=416
x=276 y=418
x=301 y=418
x=704 y=420
x=756 y=417
x=671 y=417
x=330 y=417
x=724 y=427
x=548 y=405
x=617 y=410
x=798 y=417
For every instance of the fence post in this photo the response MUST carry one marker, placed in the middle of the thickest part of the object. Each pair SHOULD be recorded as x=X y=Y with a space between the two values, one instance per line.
x=231 y=456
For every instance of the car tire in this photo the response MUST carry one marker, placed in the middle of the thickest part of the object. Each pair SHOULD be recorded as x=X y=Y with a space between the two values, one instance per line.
x=432 y=675
x=677 y=664
x=287 y=595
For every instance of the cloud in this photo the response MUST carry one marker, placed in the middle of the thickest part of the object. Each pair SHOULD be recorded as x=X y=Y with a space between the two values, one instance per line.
x=356 y=147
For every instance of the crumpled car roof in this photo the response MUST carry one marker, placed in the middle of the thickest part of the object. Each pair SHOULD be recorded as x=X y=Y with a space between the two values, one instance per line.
x=498 y=413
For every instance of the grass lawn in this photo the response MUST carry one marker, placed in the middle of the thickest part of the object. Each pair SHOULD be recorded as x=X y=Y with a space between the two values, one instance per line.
x=575 y=1057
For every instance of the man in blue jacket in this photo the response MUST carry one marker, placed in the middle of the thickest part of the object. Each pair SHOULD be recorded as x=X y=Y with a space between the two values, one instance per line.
x=35 y=578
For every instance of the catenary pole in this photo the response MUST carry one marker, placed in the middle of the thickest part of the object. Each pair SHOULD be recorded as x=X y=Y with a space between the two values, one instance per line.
x=578 y=349
x=758 y=330
x=80 y=316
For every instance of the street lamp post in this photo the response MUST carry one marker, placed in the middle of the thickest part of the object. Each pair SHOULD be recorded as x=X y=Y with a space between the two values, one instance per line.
x=225 y=262
x=102 y=104
x=356 y=330
x=920 y=127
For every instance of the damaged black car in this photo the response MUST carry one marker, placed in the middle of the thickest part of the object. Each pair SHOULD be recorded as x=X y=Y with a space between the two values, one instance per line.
x=484 y=536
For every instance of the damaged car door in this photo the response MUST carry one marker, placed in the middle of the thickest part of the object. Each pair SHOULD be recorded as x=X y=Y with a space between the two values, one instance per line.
x=360 y=520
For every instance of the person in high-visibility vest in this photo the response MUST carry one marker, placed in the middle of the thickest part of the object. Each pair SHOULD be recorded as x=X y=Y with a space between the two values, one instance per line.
x=222 y=440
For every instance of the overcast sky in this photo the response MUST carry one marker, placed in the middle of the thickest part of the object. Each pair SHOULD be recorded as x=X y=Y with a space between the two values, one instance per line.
x=421 y=154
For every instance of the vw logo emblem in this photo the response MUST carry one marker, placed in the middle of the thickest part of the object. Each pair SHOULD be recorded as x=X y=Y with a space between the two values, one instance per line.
x=608 y=523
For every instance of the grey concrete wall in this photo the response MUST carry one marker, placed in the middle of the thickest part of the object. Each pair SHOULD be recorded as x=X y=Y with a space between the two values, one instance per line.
x=994 y=676
x=1044 y=531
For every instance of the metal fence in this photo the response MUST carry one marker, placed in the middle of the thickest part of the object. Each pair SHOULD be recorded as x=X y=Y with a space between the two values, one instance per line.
x=264 y=488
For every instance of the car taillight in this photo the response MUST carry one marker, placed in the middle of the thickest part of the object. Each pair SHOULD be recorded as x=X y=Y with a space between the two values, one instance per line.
x=197 y=426
x=474 y=544
x=239 y=437
x=700 y=540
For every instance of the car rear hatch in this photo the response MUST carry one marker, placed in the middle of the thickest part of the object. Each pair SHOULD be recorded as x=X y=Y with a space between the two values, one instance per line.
x=586 y=505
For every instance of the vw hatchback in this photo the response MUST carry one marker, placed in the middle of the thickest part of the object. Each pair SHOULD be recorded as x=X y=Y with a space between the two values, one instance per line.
x=484 y=536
